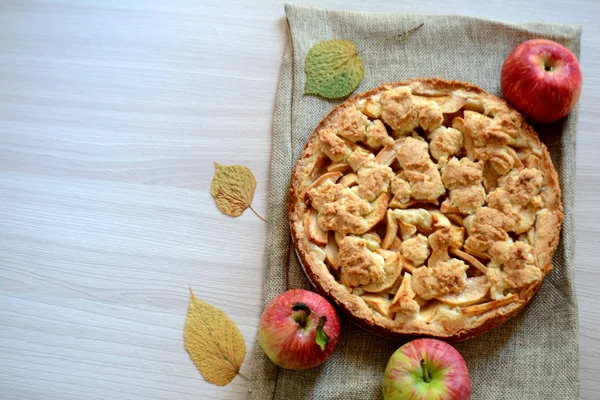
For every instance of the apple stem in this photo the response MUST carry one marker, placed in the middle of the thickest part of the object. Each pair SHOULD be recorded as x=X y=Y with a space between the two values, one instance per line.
x=300 y=318
x=426 y=376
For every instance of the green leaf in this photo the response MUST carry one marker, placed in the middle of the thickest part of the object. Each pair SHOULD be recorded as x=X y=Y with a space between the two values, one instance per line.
x=321 y=338
x=333 y=69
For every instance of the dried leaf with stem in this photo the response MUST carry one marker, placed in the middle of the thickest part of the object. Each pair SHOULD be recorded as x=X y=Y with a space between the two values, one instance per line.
x=213 y=342
x=233 y=189
x=334 y=68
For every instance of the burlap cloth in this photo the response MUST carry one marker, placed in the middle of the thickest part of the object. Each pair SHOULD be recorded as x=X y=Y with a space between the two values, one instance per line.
x=533 y=356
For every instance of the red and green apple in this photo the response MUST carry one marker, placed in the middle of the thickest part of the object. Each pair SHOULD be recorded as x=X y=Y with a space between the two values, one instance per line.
x=541 y=79
x=299 y=330
x=426 y=369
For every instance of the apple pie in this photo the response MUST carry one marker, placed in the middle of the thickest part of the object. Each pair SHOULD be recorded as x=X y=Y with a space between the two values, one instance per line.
x=426 y=208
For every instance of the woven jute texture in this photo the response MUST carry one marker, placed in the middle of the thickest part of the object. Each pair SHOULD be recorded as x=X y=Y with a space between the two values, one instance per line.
x=533 y=356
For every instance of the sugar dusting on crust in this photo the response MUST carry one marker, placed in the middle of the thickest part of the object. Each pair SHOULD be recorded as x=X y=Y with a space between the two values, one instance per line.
x=360 y=266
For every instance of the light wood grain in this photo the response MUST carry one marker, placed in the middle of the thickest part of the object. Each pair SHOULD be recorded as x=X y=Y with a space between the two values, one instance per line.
x=111 y=116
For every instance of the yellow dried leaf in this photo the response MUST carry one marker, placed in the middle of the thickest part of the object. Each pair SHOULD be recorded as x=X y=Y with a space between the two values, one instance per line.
x=233 y=188
x=213 y=342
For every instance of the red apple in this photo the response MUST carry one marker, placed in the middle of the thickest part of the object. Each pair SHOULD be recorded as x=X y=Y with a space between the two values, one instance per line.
x=542 y=80
x=299 y=330
x=426 y=369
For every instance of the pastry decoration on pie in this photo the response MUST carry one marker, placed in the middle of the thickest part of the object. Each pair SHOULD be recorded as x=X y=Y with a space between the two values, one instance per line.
x=426 y=208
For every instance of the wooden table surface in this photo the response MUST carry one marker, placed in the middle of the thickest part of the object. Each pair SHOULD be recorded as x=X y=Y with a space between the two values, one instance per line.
x=111 y=116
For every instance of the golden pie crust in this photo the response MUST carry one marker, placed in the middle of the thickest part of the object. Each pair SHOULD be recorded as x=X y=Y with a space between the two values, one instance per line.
x=425 y=208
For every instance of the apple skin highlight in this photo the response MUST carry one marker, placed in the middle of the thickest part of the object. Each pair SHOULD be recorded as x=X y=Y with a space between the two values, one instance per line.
x=288 y=337
x=541 y=79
